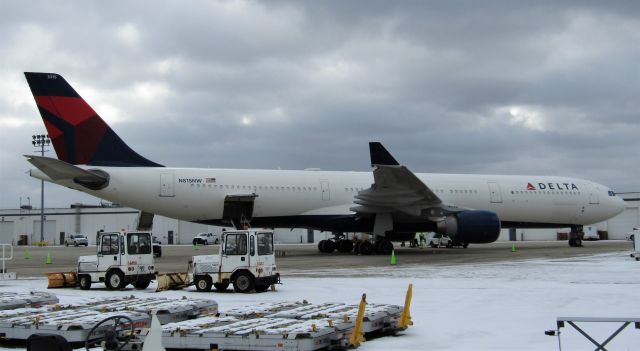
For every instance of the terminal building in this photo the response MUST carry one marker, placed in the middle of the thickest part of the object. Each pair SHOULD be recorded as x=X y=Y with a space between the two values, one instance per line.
x=22 y=225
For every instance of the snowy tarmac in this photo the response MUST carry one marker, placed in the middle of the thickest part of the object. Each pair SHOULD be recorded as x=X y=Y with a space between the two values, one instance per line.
x=503 y=305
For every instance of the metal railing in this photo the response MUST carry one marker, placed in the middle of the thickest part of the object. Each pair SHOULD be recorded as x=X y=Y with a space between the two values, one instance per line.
x=3 y=258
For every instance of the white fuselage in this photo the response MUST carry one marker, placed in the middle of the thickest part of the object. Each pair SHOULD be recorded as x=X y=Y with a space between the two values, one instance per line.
x=198 y=195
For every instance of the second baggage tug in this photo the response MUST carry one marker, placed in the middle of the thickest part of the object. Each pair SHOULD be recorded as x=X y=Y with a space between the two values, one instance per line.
x=246 y=259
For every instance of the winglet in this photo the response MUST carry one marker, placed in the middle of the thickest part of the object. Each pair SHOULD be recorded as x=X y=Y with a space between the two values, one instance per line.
x=380 y=155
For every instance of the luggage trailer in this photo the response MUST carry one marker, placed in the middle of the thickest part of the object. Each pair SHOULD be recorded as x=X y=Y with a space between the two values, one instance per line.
x=282 y=326
x=263 y=333
x=378 y=318
x=167 y=311
x=74 y=321
x=73 y=325
x=11 y=300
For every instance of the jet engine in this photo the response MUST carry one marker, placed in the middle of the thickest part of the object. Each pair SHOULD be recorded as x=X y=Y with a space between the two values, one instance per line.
x=473 y=226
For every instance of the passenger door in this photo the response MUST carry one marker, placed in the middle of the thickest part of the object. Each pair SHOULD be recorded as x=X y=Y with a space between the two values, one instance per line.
x=594 y=199
x=166 y=185
x=326 y=191
x=494 y=192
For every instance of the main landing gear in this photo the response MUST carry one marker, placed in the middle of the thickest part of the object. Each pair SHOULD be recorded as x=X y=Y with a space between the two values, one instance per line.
x=363 y=247
x=575 y=236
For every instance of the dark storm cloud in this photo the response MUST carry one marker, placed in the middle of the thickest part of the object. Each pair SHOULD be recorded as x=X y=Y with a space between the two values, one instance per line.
x=455 y=86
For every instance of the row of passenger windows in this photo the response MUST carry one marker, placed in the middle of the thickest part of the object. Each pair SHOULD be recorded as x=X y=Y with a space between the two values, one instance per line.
x=458 y=191
x=255 y=187
x=310 y=188
x=437 y=191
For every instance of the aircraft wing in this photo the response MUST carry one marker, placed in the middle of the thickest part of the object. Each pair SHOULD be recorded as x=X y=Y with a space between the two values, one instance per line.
x=395 y=188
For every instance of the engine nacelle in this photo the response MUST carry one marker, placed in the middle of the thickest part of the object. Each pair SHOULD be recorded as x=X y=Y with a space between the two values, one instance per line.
x=474 y=226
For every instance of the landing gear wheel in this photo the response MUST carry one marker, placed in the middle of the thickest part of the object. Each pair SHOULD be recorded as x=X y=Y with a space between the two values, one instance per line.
x=203 y=283
x=465 y=245
x=114 y=280
x=578 y=242
x=221 y=286
x=329 y=246
x=110 y=336
x=243 y=282
x=320 y=245
x=85 y=282
x=366 y=248
x=142 y=283
x=345 y=246
x=262 y=287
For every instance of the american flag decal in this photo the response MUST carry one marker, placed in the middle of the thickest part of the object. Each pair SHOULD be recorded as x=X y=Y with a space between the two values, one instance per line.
x=210 y=180
x=530 y=186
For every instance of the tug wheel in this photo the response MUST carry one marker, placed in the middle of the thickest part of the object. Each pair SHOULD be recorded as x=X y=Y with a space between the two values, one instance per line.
x=203 y=283
x=243 y=282
x=85 y=282
x=114 y=280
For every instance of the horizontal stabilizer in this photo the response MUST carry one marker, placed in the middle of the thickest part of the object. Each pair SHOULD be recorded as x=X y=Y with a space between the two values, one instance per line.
x=59 y=170
x=380 y=155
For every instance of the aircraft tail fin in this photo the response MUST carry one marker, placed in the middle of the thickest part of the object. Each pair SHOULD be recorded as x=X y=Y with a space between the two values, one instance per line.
x=77 y=132
x=380 y=155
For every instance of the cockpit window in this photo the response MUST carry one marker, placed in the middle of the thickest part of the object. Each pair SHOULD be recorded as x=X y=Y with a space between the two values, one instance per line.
x=611 y=193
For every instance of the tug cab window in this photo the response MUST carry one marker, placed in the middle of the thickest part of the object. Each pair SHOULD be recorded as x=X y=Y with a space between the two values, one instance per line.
x=235 y=244
x=139 y=243
x=265 y=244
x=109 y=244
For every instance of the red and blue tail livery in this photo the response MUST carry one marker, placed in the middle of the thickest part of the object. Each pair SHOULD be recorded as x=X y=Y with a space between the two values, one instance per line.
x=78 y=134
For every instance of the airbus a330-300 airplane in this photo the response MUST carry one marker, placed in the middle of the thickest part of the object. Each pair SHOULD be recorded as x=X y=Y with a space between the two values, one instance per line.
x=392 y=202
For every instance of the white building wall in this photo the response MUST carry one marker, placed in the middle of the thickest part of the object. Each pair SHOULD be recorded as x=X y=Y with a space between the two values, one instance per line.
x=620 y=226
x=7 y=229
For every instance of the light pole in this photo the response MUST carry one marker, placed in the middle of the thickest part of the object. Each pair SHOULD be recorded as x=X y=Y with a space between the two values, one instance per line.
x=40 y=141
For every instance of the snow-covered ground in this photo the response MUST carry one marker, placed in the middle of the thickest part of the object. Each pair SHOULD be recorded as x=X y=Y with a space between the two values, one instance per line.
x=493 y=306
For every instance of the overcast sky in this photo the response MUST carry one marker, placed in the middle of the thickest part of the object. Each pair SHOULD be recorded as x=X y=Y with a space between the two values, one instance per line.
x=494 y=87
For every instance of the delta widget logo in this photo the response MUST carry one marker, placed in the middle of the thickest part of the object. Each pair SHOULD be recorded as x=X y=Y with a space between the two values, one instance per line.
x=553 y=186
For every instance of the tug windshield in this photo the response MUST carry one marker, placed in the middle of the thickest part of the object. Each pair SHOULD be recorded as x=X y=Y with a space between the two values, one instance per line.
x=265 y=243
